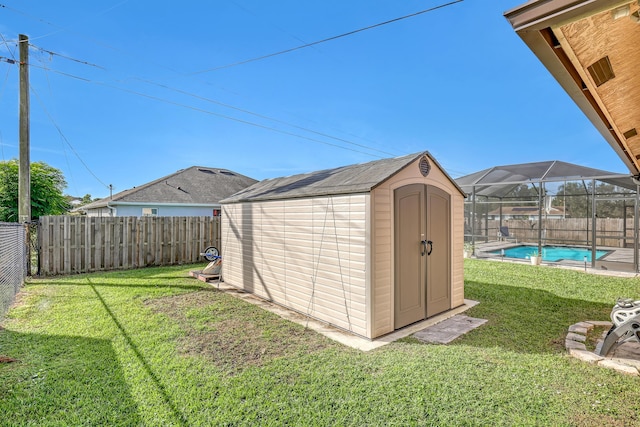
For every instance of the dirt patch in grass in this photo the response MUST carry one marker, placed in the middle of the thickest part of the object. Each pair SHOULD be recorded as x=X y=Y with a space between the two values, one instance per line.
x=234 y=334
x=594 y=335
x=588 y=420
x=557 y=344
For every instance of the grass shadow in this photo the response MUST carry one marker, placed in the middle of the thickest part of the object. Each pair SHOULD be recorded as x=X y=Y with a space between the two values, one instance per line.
x=63 y=380
x=139 y=286
x=522 y=319
x=160 y=387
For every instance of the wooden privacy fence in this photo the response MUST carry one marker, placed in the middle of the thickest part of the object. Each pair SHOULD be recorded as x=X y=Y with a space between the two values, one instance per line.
x=610 y=232
x=81 y=244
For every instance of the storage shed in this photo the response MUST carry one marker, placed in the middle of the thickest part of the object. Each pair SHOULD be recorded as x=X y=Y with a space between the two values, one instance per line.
x=368 y=248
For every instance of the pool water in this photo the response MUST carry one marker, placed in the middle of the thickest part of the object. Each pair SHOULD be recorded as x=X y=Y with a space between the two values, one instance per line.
x=552 y=253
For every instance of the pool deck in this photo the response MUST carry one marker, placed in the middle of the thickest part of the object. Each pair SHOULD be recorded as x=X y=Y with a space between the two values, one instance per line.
x=617 y=260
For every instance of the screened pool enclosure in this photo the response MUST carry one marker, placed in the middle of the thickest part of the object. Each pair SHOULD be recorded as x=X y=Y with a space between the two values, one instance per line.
x=553 y=204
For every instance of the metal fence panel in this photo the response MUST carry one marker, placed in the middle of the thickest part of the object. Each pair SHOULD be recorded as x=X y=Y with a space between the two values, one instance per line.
x=13 y=263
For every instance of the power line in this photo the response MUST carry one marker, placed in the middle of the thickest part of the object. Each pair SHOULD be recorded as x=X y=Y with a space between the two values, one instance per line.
x=241 y=7
x=306 y=129
x=196 y=96
x=66 y=157
x=62 y=73
x=211 y=101
x=224 y=116
x=79 y=61
x=4 y=41
x=237 y=108
x=62 y=136
x=6 y=79
x=3 y=6
x=65 y=138
x=350 y=33
x=92 y=40
x=202 y=110
x=59 y=28
x=262 y=116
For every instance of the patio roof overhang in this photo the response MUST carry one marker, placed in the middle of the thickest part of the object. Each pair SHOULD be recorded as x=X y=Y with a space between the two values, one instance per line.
x=591 y=49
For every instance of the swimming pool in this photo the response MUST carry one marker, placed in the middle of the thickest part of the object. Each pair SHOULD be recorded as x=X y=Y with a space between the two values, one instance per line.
x=551 y=253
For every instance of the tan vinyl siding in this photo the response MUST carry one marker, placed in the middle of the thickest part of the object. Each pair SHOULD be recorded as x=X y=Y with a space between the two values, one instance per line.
x=307 y=254
x=382 y=259
x=457 y=247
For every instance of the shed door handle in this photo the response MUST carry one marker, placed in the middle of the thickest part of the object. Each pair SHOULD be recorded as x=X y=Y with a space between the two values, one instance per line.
x=424 y=247
x=430 y=243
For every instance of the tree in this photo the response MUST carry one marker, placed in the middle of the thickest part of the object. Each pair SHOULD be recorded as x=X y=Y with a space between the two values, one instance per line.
x=576 y=196
x=47 y=184
x=86 y=199
x=524 y=192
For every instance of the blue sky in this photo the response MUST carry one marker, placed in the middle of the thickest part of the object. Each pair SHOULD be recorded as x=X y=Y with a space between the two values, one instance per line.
x=127 y=91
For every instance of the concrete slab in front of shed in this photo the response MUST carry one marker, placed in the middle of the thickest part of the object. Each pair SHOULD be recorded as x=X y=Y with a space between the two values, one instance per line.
x=449 y=329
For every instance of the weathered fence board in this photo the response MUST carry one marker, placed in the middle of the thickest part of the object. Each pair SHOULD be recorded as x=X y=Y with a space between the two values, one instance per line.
x=80 y=244
x=610 y=232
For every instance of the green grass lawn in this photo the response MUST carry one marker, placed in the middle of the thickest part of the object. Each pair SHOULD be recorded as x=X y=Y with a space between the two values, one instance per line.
x=156 y=347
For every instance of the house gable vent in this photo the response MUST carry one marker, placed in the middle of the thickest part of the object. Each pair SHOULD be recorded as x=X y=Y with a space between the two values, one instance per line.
x=630 y=133
x=601 y=71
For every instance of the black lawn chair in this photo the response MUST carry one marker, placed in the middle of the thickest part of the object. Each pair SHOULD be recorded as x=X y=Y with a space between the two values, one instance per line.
x=504 y=234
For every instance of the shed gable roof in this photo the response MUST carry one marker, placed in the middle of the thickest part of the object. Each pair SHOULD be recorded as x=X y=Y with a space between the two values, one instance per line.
x=359 y=178
x=196 y=185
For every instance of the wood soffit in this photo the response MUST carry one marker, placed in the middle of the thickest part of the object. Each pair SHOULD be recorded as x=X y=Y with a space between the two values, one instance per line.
x=600 y=52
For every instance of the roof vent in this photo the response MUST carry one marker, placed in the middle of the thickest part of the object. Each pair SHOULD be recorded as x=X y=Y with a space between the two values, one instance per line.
x=620 y=12
x=601 y=71
x=224 y=172
x=630 y=133
x=424 y=165
x=207 y=171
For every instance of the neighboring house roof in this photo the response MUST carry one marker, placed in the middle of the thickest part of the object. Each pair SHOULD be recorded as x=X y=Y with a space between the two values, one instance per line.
x=526 y=211
x=196 y=185
x=351 y=179
x=591 y=48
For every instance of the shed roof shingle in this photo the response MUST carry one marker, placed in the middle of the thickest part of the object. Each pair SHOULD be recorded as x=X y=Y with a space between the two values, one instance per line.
x=357 y=178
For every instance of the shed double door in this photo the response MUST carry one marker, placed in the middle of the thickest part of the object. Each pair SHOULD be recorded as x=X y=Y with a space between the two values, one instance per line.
x=422 y=253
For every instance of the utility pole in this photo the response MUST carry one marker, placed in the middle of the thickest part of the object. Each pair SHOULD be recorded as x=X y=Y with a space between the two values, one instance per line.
x=24 y=168
x=24 y=171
